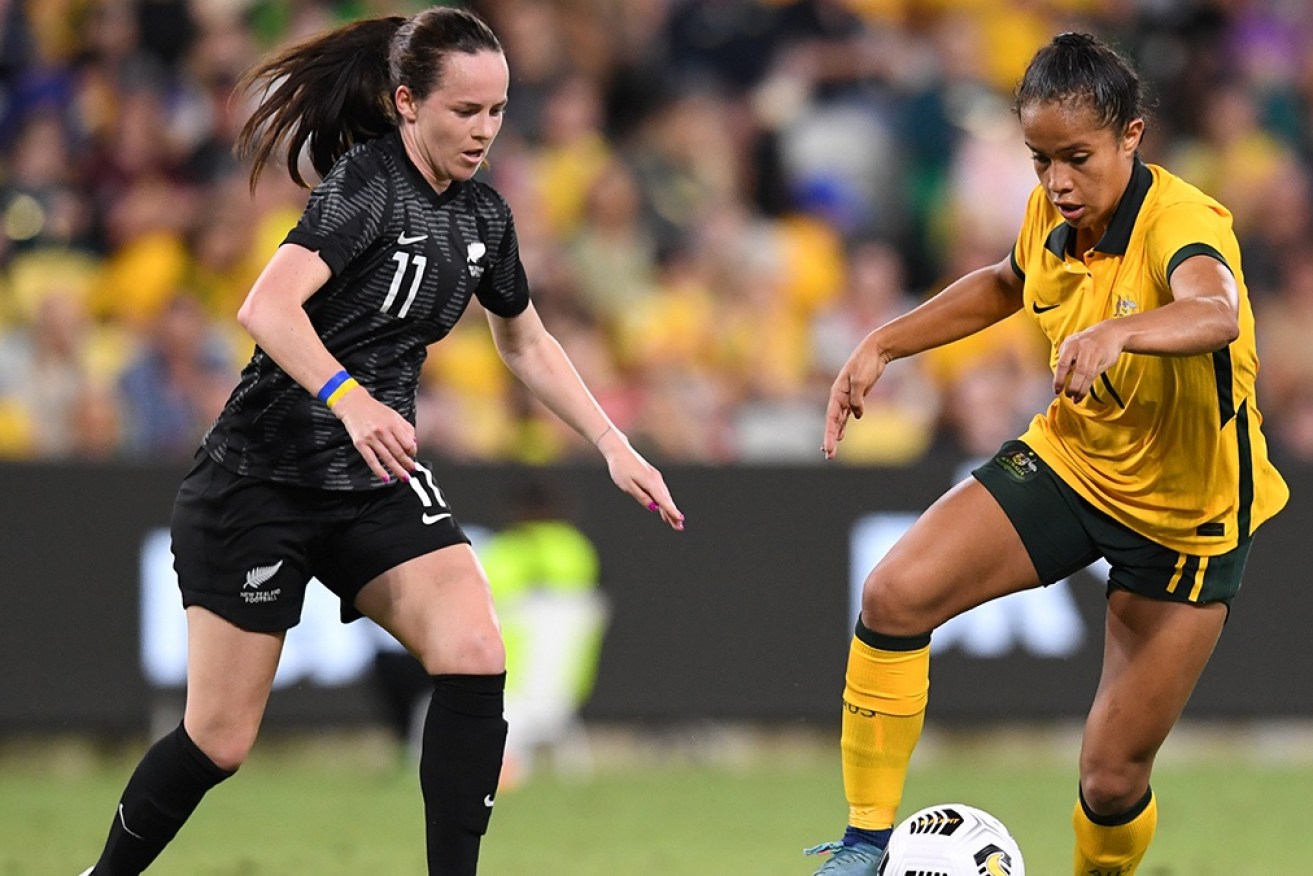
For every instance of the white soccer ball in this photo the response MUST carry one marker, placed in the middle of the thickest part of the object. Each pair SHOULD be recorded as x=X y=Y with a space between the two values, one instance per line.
x=951 y=839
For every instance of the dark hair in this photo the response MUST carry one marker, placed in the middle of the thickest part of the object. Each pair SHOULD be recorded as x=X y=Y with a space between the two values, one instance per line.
x=335 y=90
x=1079 y=67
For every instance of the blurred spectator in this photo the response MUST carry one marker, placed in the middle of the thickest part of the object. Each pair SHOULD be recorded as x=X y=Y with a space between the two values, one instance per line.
x=898 y=425
x=148 y=260
x=693 y=183
x=177 y=385
x=39 y=203
x=43 y=377
x=1285 y=325
x=57 y=365
x=533 y=35
x=1234 y=156
x=991 y=383
x=613 y=252
x=572 y=155
x=1277 y=232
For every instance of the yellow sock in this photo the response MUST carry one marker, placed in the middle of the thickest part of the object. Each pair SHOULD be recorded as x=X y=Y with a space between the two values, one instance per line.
x=884 y=701
x=1104 y=849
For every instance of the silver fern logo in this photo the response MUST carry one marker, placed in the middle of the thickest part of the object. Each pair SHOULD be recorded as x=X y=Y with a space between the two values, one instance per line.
x=261 y=574
x=255 y=579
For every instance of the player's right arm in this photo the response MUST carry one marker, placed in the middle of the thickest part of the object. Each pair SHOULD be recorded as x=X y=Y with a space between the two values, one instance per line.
x=974 y=302
x=274 y=315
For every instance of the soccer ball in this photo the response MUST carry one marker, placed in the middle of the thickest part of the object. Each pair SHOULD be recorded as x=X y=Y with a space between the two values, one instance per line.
x=951 y=839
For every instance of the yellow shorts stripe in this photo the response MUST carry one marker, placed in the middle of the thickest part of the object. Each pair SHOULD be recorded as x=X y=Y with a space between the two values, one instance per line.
x=1176 y=575
x=1199 y=579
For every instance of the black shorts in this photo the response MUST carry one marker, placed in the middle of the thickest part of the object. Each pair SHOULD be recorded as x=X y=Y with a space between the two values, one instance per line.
x=1063 y=533
x=245 y=548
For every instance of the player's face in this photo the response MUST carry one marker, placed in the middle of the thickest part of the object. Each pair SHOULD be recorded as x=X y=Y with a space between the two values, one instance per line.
x=1084 y=166
x=449 y=132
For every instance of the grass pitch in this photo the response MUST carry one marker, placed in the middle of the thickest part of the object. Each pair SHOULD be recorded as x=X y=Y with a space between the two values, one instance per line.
x=349 y=806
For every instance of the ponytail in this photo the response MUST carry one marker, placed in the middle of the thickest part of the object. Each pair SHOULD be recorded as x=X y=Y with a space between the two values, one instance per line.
x=336 y=90
x=330 y=92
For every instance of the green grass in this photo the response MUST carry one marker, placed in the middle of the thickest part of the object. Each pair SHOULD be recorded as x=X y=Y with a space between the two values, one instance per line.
x=345 y=808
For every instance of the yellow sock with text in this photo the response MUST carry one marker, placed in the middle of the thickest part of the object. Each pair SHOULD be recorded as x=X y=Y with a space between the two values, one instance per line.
x=1113 y=846
x=884 y=701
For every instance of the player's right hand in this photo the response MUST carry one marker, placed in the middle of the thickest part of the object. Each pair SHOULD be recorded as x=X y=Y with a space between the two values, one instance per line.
x=849 y=390
x=385 y=439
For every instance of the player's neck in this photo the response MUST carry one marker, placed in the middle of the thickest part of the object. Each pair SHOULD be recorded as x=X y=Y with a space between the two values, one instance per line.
x=418 y=156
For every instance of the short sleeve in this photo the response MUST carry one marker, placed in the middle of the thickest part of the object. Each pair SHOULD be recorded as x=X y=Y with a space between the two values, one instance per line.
x=1183 y=230
x=505 y=287
x=346 y=211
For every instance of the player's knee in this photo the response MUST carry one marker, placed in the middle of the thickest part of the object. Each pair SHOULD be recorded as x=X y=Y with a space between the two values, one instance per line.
x=483 y=654
x=478 y=651
x=1109 y=789
x=227 y=745
x=888 y=605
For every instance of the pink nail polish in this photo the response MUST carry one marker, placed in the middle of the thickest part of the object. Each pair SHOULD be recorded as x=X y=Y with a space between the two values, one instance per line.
x=652 y=506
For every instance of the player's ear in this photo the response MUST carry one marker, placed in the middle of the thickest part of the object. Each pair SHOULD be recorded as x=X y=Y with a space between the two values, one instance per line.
x=1132 y=135
x=407 y=106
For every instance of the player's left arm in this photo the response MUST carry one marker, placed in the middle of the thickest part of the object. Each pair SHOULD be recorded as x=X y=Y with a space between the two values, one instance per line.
x=538 y=360
x=1203 y=316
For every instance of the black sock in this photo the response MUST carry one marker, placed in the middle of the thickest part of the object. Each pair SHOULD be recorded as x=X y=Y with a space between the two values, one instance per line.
x=166 y=786
x=464 y=739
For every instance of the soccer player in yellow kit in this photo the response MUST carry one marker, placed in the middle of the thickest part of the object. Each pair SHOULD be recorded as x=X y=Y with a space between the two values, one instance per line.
x=1150 y=456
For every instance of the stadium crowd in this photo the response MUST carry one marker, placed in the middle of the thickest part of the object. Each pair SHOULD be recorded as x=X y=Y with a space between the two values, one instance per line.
x=715 y=199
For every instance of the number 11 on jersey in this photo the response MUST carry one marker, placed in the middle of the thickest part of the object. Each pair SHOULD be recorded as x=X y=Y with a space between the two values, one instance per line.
x=404 y=261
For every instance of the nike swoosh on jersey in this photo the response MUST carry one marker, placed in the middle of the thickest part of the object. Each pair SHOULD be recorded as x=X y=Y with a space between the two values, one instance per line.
x=1035 y=306
x=434 y=518
x=403 y=239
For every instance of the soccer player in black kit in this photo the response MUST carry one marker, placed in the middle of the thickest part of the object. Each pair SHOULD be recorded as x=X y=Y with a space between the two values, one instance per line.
x=311 y=468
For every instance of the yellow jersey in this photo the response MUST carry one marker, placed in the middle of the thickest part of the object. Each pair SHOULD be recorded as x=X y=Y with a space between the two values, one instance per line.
x=1170 y=446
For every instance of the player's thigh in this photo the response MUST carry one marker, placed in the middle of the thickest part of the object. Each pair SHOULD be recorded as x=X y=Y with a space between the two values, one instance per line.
x=388 y=528
x=439 y=606
x=961 y=552
x=1015 y=525
x=230 y=672
x=1154 y=653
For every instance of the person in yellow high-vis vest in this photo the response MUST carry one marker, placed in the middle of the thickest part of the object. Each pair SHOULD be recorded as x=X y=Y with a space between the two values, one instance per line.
x=545 y=579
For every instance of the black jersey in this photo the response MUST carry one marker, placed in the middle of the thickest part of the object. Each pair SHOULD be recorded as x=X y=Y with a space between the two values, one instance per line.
x=405 y=262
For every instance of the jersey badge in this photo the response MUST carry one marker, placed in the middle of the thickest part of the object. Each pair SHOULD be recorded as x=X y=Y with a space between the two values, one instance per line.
x=474 y=258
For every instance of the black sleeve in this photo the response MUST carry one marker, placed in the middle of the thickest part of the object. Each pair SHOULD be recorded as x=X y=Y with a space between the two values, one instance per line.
x=504 y=289
x=346 y=211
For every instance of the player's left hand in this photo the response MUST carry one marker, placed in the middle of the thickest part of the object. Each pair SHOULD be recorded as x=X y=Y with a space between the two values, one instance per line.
x=638 y=477
x=1082 y=357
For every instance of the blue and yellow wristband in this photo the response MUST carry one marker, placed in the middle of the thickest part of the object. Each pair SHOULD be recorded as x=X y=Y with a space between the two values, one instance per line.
x=337 y=386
